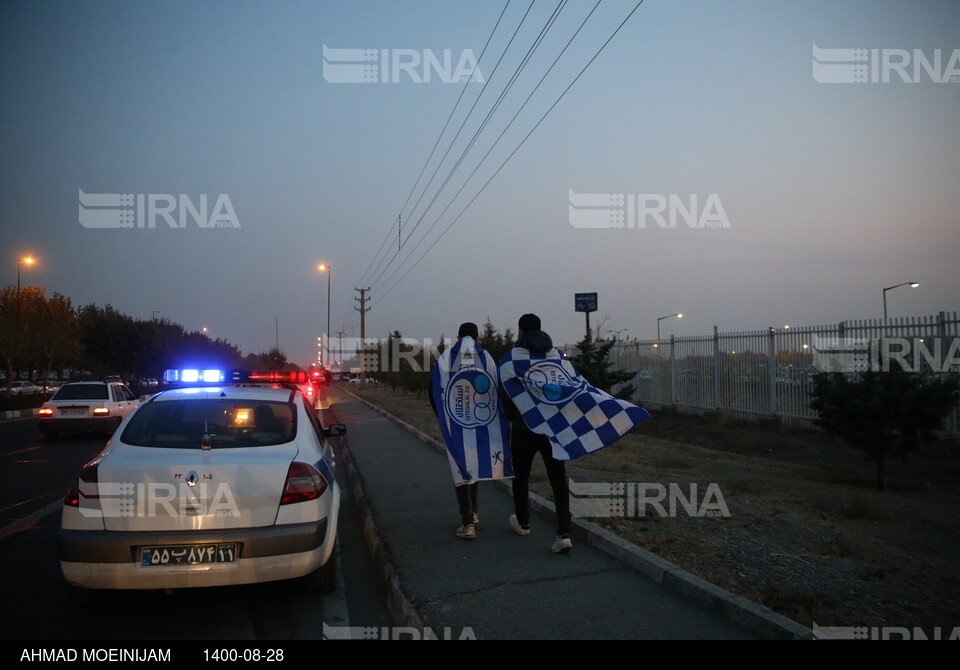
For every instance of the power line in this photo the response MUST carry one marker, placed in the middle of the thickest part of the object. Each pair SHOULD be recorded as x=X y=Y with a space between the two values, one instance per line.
x=487 y=183
x=480 y=163
x=463 y=90
x=476 y=134
x=467 y=117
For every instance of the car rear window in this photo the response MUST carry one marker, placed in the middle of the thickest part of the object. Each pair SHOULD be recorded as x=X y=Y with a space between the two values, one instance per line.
x=82 y=392
x=219 y=422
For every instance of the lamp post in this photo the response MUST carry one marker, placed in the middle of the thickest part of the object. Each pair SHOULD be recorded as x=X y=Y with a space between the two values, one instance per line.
x=29 y=261
x=668 y=316
x=911 y=284
x=326 y=349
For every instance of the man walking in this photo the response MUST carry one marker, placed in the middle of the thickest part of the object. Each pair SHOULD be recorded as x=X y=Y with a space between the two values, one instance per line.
x=555 y=412
x=464 y=393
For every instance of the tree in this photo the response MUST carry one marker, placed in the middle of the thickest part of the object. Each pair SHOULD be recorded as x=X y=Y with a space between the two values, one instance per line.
x=21 y=313
x=883 y=413
x=493 y=342
x=110 y=339
x=56 y=334
x=593 y=363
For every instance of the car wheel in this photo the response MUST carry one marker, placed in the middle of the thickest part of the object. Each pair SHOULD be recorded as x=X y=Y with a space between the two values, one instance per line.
x=324 y=578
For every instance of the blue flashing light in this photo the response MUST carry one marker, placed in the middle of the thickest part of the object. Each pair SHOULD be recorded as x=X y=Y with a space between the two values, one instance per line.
x=193 y=376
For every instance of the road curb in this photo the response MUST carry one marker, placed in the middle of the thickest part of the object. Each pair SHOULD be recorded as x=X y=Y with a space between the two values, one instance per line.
x=401 y=609
x=751 y=616
x=19 y=413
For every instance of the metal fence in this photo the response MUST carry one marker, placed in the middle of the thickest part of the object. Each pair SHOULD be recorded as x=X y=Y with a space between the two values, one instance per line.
x=761 y=373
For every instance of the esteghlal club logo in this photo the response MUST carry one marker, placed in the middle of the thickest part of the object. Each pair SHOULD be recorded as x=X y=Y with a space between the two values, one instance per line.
x=883 y=66
x=638 y=210
x=142 y=210
x=391 y=66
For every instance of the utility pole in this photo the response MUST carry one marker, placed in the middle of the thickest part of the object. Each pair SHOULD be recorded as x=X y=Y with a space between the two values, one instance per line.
x=363 y=309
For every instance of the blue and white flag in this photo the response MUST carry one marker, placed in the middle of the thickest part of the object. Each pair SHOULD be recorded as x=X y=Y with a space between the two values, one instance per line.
x=475 y=430
x=555 y=400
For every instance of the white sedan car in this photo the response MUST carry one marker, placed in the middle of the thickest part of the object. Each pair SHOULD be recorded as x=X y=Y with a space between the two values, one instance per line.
x=86 y=406
x=207 y=486
x=24 y=388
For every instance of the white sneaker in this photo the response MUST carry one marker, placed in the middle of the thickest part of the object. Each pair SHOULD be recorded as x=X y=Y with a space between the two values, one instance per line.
x=467 y=532
x=476 y=519
x=517 y=528
x=562 y=544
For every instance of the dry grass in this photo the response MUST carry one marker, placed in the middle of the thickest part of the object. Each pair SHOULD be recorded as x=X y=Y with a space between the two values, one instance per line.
x=808 y=534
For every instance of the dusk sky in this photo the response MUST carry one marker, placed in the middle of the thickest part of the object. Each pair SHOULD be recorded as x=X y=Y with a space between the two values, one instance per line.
x=822 y=193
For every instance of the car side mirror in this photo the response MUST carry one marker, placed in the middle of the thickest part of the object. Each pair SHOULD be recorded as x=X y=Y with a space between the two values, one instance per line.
x=334 y=430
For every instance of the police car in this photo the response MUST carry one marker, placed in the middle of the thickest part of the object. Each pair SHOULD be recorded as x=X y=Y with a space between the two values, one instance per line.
x=224 y=479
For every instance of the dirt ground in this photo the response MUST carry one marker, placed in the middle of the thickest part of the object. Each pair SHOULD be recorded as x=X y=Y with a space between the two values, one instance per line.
x=786 y=517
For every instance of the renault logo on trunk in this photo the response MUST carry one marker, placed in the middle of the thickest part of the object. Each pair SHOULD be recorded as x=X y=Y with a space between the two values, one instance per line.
x=192 y=478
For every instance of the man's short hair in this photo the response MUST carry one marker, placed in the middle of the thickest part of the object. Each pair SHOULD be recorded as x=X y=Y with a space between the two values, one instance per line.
x=529 y=323
x=469 y=330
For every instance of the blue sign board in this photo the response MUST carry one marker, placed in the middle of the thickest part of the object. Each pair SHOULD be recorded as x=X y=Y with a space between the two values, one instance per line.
x=586 y=302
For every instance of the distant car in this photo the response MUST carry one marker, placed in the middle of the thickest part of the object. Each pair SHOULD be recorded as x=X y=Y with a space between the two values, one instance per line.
x=24 y=388
x=208 y=485
x=86 y=406
x=113 y=378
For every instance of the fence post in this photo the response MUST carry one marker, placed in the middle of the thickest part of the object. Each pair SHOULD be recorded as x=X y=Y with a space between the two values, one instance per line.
x=716 y=369
x=771 y=371
x=673 y=375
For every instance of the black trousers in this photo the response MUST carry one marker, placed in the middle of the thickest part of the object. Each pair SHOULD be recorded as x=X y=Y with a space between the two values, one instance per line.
x=525 y=445
x=467 y=500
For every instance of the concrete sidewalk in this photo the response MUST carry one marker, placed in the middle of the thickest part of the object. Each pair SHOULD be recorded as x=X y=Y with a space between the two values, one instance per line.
x=502 y=585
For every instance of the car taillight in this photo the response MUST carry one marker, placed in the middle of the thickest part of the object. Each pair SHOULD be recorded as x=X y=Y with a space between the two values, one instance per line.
x=304 y=482
x=101 y=411
x=87 y=482
x=45 y=411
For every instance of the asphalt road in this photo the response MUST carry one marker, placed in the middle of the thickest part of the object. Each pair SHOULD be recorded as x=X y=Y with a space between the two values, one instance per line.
x=37 y=605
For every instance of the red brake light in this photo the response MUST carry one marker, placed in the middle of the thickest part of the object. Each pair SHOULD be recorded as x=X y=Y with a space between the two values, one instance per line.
x=278 y=376
x=101 y=411
x=304 y=482
x=88 y=476
x=45 y=411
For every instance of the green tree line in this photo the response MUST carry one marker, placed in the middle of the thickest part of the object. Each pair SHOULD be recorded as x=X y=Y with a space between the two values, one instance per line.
x=46 y=333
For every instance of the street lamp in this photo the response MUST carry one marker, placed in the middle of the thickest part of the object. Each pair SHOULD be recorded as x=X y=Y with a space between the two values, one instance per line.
x=326 y=349
x=29 y=261
x=668 y=316
x=911 y=284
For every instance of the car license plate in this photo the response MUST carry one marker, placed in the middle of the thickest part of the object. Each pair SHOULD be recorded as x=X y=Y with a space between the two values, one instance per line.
x=194 y=554
x=73 y=412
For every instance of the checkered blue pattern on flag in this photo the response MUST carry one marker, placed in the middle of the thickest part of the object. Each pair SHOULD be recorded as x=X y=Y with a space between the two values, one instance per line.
x=475 y=430
x=555 y=400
